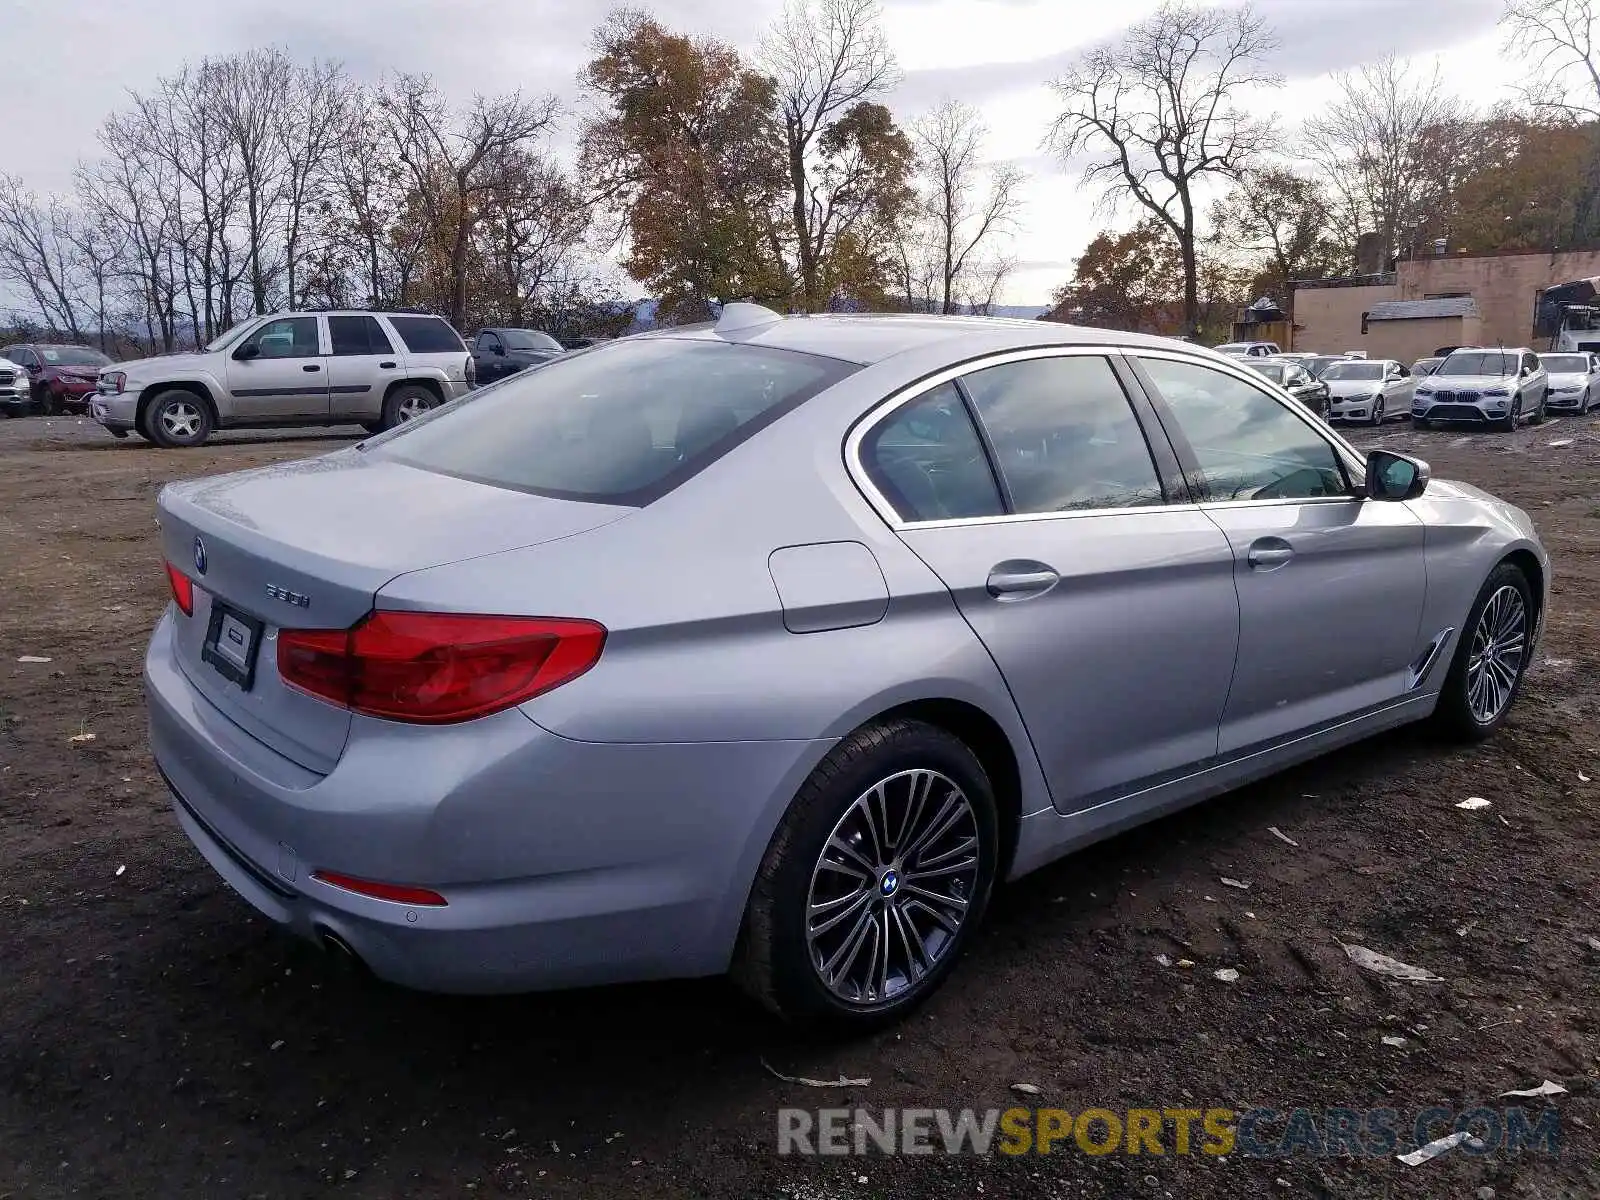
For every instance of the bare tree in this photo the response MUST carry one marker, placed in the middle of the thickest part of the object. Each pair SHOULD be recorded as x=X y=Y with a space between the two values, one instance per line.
x=1161 y=112
x=965 y=210
x=313 y=126
x=1378 y=146
x=36 y=253
x=827 y=57
x=459 y=155
x=250 y=91
x=1556 y=39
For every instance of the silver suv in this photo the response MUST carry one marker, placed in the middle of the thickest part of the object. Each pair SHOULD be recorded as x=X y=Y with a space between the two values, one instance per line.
x=322 y=368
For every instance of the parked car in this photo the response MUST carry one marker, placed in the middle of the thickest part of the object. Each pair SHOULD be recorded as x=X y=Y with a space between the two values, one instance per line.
x=1296 y=380
x=1373 y=390
x=1574 y=380
x=497 y=353
x=16 y=390
x=583 y=343
x=324 y=368
x=62 y=377
x=1426 y=366
x=1489 y=387
x=1248 y=349
x=744 y=703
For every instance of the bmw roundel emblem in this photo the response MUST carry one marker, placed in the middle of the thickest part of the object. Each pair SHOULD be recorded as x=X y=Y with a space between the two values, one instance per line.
x=889 y=884
x=199 y=556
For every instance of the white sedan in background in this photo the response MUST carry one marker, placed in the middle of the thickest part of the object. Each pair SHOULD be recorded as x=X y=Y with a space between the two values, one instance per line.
x=1574 y=381
x=1373 y=390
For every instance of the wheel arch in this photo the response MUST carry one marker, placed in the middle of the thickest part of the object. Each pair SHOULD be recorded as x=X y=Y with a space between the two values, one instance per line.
x=424 y=381
x=1528 y=563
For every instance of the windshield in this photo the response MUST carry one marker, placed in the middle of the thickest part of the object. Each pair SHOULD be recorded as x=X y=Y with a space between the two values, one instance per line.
x=1354 y=370
x=623 y=424
x=73 y=356
x=227 y=339
x=1479 y=362
x=528 y=339
x=1273 y=371
x=1565 y=364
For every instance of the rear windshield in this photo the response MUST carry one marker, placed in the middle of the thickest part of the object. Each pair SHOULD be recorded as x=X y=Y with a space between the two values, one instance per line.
x=427 y=335
x=623 y=424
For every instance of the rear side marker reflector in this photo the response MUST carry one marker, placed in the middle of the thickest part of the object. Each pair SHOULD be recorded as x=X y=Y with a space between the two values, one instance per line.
x=395 y=892
x=437 y=668
x=182 y=590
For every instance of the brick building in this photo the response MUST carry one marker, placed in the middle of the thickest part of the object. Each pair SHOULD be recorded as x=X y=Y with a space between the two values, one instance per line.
x=1328 y=314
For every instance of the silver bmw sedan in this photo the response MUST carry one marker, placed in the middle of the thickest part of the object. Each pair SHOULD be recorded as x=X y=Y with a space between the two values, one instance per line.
x=773 y=646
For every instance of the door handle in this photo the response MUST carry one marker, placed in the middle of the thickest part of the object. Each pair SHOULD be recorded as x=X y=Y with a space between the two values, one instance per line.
x=1269 y=554
x=311 y=367
x=1021 y=580
x=387 y=366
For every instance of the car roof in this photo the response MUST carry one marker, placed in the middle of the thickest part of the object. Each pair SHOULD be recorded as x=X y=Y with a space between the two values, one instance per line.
x=867 y=338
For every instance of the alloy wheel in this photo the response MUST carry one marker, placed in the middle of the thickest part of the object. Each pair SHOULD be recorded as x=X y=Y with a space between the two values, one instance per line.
x=413 y=407
x=180 y=420
x=892 y=887
x=1499 y=644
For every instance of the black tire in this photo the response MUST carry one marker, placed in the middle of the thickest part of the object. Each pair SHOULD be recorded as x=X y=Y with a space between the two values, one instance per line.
x=1455 y=716
x=1538 y=414
x=45 y=402
x=1377 y=413
x=178 y=418
x=406 y=401
x=1509 y=421
x=774 y=960
x=372 y=426
x=1421 y=423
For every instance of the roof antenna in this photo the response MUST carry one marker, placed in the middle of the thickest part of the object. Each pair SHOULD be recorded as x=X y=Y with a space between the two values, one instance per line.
x=742 y=315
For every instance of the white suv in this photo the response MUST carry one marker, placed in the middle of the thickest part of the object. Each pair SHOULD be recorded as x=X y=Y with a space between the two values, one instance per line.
x=1496 y=387
x=313 y=368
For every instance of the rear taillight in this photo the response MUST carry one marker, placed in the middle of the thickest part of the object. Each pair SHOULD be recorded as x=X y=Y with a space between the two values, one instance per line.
x=436 y=668
x=182 y=590
x=471 y=371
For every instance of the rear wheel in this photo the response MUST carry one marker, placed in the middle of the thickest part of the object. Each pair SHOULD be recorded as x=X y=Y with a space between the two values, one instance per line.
x=1491 y=657
x=874 y=880
x=406 y=403
x=1538 y=413
x=178 y=418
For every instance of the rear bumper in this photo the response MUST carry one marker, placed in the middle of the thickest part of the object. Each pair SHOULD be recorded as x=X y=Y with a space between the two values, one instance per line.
x=564 y=863
x=455 y=388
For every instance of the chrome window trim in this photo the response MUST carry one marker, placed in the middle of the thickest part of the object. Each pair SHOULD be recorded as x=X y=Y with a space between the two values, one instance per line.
x=880 y=412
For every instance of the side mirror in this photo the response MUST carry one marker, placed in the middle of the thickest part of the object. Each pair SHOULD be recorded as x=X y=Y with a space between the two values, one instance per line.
x=1395 y=476
x=500 y=349
x=247 y=351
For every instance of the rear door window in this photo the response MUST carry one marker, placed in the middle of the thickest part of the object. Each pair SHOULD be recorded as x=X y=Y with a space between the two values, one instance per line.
x=622 y=425
x=358 y=335
x=1064 y=435
x=427 y=335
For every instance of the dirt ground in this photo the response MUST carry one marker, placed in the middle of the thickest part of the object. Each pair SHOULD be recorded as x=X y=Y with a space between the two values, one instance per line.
x=157 y=1038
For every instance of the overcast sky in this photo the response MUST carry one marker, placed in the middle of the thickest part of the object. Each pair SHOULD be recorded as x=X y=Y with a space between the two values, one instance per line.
x=74 y=61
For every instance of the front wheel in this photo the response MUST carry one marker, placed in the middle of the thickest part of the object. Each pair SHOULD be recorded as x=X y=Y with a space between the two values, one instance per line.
x=1377 y=412
x=178 y=418
x=1509 y=421
x=1491 y=657
x=46 y=401
x=874 y=881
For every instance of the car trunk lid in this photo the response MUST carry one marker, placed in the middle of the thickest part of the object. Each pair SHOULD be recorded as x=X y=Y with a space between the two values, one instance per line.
x=308 y=545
